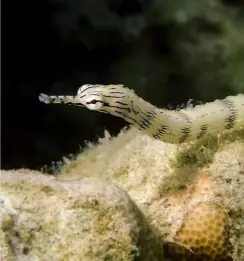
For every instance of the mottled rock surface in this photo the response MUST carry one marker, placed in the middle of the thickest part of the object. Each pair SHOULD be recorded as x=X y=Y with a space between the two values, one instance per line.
x=88 y=219
x=131 y=198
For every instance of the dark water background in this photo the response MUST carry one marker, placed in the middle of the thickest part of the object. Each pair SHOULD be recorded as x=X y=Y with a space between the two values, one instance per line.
x=169 y=51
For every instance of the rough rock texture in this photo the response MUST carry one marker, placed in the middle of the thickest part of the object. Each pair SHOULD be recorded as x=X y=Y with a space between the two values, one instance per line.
x=189 y=198
x=168 y=181
x=89 y=220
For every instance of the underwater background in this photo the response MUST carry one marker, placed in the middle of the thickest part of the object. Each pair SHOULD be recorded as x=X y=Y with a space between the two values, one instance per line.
x=114 y=193
x=167 y=51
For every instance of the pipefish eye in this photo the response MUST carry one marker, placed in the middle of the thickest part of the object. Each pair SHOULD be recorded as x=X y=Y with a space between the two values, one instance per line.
x=93 y=102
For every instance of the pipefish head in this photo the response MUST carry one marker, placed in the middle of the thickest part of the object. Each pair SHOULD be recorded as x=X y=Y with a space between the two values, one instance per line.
x=112 y=99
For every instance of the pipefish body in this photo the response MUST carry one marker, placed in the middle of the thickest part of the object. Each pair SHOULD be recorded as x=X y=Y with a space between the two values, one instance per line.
x=171 y=126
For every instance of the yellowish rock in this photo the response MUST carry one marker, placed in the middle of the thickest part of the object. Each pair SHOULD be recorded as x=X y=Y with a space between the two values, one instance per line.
x=88 y=219
x=189 y=198
x=170 y=182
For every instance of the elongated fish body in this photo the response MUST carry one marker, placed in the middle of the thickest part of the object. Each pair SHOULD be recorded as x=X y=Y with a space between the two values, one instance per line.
x=171 y=126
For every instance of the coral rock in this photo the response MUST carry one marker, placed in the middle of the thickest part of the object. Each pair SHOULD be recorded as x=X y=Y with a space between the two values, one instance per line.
x=88 y=219
x=205 y=231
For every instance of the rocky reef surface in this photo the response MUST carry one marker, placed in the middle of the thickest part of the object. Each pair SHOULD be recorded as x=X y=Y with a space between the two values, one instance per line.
x=130 y=198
